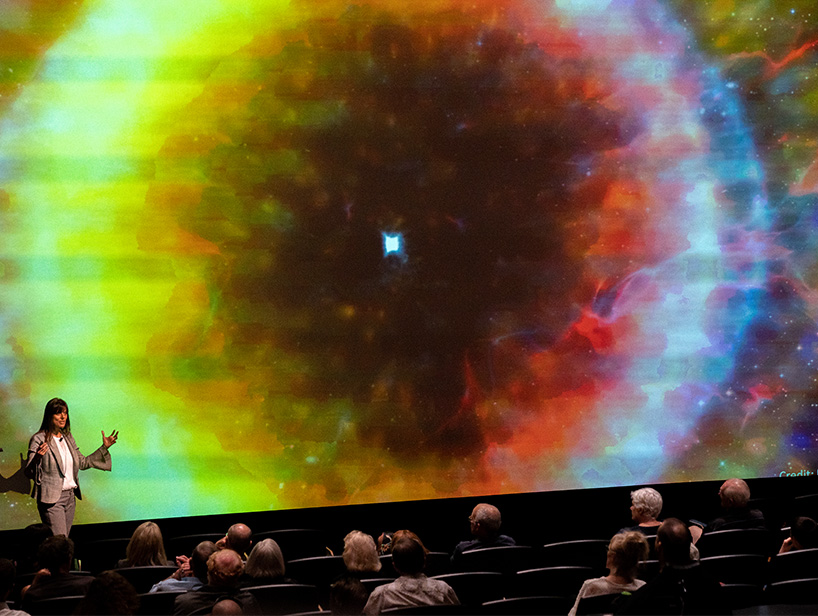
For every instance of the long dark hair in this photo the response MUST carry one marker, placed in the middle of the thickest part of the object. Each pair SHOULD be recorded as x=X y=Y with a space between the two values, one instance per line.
x=52 y=407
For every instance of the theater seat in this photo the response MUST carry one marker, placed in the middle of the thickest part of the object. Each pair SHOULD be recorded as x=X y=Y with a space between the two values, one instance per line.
x=737 y=541
x=143 y=578
x=552 y=581
x=503 y=559
x=581 y=553
x=473 y=588
x=55 y=606
x=527 y=606
x=285 y=598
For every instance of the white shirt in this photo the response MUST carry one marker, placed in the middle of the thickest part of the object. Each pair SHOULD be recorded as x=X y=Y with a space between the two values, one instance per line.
x=67 y=461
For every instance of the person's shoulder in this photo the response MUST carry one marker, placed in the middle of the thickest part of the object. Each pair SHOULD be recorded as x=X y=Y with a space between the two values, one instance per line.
x=37 y=437
x=505 y=540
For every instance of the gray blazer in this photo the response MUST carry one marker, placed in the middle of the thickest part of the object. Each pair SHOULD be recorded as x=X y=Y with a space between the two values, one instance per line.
x=47 y=471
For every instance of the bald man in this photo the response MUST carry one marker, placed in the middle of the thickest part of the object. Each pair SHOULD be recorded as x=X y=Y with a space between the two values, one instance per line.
x=485 y=524
x=239 y=538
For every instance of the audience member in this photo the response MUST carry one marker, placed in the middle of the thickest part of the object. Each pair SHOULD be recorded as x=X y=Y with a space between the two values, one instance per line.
x=265 y=565
x=347 y=596
x=192 y=571
x=31 y=540
x=735 y=496
x=646 y=505
x=146 y=548
x=485 y=527
x=361 y=554
x=225 y=607
x=239 y=538
x=625 y=551
x=802 y=536
x=7 y=575
x=412 y=588
x=224 y=569
x=109 y=593
x=681 y=587
x=54 y=580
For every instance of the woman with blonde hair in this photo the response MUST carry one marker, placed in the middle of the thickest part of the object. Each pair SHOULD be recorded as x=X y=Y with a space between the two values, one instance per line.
x=146 y=548
x=624 y=553
x=360 y=554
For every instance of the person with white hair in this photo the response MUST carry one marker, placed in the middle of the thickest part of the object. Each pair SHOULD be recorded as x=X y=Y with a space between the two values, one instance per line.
x=646 y=505
x=485 y=524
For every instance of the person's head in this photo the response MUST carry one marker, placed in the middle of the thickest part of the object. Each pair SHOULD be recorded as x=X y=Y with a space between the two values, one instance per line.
x=347 y=595
x=109 y=593
x=224 y=568
x=408 y=555
x=803 y=533
x=646 y=505
x=360 y=553
x=485 y=521
x=624 y=553
x=55 y=417
x=146 y=546
x=56 y=554
x=673 y=542
x=239 y=538
x=199 y=558
x=734 y=494
x=400 y=534
x=7 y=573
x=31 y=540
x=223 y=607
x=265 y=560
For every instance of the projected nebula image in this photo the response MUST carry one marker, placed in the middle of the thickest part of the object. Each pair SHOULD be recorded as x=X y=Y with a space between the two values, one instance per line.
x=326 y=253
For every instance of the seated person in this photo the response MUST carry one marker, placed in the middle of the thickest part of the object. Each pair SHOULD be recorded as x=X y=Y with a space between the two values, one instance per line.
x=802 y=536
x=412 y=588
x=224 y=569
x=54 y=580
x=681 y=587
x=239 y=538
x=7 y=574
x=361 y=555
x=485 y=527
x=109 y=593
x=347 y=595
x=146 y=548
x=625 y=551
x=646 y=505
x=265 y=565
x=192 y=571
x=735 y=496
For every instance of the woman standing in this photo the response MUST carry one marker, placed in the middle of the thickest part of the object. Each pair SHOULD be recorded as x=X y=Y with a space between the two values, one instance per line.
x=54 y=462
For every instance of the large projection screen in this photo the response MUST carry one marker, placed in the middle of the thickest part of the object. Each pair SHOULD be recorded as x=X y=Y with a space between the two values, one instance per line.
x=326 y=252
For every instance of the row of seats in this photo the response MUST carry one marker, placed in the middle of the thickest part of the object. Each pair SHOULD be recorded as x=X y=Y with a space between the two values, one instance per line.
x=479 y=592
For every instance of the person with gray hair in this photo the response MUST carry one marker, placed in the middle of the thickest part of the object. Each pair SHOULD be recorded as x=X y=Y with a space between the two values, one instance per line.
x=646 y=505
x=265 y=565
x=485 y=522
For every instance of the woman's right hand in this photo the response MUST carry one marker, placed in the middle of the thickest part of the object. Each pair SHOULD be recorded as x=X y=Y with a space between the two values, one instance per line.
x=43 y=449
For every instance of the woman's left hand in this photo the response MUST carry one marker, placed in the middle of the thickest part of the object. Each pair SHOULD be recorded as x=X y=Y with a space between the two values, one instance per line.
x=108 y=441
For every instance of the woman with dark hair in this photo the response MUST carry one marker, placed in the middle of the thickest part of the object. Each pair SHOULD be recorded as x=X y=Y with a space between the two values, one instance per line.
x=146 y=548
x=54 y=462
